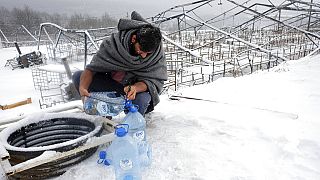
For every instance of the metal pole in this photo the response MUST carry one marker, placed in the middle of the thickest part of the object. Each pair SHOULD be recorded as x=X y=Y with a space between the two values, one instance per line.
x=85 y=50
x=279 y=19
x=180 y=38
x=307 y=33
x=255 y=46
x=74 y=91
x=4 y=36
x=309 y=20
x=39 y=37
x=28 y=32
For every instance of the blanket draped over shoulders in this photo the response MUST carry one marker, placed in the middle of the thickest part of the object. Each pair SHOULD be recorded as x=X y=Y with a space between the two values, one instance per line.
x=114 y=55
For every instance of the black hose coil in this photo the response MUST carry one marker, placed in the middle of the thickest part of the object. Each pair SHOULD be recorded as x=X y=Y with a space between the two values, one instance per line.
x=53 y=134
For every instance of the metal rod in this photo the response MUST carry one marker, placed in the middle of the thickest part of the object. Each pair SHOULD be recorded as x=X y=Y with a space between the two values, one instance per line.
x=308 y=27
x=4 y=36
x=280 y=22
x=85 y=50
x=239 y=39
x=29 y=32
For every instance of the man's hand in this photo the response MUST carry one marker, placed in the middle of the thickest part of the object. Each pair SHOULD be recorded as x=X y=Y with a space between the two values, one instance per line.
x=132 y=90
x=85 y=81
x=83 y=92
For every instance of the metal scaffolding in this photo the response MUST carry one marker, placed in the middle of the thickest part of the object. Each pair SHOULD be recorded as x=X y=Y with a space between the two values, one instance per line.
x=74 y=45
x=201 y=44
x=240 y=40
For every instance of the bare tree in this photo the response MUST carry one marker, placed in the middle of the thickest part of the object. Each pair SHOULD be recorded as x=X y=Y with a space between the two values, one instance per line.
x=107 y=21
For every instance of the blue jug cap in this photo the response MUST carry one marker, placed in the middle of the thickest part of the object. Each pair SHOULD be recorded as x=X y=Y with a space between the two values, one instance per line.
x=133 y=108
x=128 y=177
x=127 y=103
x=102 y=154
x=121 y=131
x=107 y=162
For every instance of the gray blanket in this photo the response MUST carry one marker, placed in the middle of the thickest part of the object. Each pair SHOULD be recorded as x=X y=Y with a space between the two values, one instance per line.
x=114 y=55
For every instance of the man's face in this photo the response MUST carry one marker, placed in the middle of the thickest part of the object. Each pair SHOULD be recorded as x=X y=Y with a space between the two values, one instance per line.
x=137 y=48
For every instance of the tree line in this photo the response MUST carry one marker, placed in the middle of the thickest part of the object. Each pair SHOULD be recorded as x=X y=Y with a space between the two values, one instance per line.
x=11 y=20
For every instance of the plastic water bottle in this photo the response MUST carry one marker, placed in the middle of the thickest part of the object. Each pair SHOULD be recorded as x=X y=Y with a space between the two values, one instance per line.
x=125 y=159
x=145 y=154
x=137 y=125
x=136 y=122
x=104 y=104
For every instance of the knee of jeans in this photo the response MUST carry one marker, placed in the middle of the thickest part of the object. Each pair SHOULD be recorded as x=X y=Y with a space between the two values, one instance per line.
x=76 y=78
x=143 y=101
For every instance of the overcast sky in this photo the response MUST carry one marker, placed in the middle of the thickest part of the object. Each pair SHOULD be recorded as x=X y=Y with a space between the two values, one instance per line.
x=116 y=8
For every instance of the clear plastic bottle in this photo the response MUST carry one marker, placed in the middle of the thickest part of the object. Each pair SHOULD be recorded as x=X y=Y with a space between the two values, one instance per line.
x=137 y=125
x=104 y=104
x=125 y=159
x=145 y=154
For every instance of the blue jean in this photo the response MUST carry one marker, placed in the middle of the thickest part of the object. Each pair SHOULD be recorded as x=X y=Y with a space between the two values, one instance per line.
x=104 y=82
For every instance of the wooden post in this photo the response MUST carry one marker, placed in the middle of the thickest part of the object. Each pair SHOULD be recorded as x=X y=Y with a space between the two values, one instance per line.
x=10 y=106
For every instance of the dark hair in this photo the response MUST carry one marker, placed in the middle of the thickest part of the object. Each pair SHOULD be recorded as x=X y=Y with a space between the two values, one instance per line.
x=149 y=37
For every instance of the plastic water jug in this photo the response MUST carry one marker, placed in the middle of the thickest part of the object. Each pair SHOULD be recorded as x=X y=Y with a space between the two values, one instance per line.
x=137 y=125
x=125 y=159
x=104 y=104
x=136 y=122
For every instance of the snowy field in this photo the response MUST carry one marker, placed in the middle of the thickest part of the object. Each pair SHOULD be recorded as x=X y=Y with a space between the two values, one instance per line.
x=263 y=126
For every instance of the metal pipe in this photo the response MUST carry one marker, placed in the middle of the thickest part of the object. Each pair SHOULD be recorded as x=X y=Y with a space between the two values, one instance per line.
x=74 y=105
x=181 y=47
x=4 y=36
x=306 y=3
x=90 y=38
x=308 y=27
x=280 y=22
x=85 y=50
x=29 y=32
x=238 y=39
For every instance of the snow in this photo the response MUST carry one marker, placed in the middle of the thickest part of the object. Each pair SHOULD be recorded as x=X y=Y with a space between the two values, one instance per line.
x=260 y=126
x=59 y=68
x=45 y=155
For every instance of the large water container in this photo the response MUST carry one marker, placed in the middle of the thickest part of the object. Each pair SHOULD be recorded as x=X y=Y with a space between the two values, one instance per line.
x=137 y=125
x=145 y=154
x=104 y=104
x=136 y=122
x=125 y=159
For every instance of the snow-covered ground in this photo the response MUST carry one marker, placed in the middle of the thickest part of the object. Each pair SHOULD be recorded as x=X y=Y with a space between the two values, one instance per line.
x=263 y=126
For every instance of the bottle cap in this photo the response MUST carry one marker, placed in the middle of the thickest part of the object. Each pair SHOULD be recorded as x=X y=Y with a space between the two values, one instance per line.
x=133 y=108
x=102 y=154
x=121 y=131
x=107 y=162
